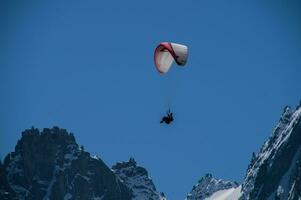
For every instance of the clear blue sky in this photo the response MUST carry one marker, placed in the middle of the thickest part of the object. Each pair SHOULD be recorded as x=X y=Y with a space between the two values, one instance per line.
x=87 y=66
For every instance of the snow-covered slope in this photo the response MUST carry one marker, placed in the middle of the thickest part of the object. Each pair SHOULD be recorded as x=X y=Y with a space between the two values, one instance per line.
x=274 y=173
x=49 y=164
x=136 y=178
x=226 y=194
x=209 y=186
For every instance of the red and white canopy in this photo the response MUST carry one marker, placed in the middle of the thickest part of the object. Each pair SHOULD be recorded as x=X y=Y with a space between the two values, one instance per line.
x=167 y=52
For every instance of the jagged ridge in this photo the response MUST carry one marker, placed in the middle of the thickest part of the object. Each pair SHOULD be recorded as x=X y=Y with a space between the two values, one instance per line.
x=208 y=185
x=50 y=165
x=274 y=172
x=136 y=178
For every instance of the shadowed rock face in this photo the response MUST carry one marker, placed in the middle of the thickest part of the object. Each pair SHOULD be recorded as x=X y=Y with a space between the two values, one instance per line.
x=274 y=173
x=6 y=191
x=50 y=165
x=136 y=178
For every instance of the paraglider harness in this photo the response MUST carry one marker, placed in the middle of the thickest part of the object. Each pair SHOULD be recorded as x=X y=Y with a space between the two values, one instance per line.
x=168 y=118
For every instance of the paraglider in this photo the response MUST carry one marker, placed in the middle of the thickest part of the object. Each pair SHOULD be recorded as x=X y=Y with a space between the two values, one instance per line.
x=165 y=54
x=168 y=118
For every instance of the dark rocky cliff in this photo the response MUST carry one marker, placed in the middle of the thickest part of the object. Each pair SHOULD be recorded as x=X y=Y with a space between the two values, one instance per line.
x=51 y=165
x=138 y=180
x=274 y=172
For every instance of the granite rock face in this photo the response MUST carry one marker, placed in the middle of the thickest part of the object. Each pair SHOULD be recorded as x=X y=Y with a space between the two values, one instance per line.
x=138 y=180
x=274 y=172
x=51 y=165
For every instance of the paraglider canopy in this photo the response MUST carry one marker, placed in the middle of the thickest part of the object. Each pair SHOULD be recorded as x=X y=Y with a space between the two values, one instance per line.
x=167 y=52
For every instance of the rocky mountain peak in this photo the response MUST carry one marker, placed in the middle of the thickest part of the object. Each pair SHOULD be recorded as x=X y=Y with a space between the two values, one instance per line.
x=286 y=115
x=137 y=178
x=272 y=172
x=127 y=164
x=49 y=164
x=208 y=185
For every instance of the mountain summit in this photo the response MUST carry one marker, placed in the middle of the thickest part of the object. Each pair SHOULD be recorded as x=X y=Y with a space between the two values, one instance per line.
x=49 y=164
x=137 y=178
x=273 y=174
x=208 y=185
